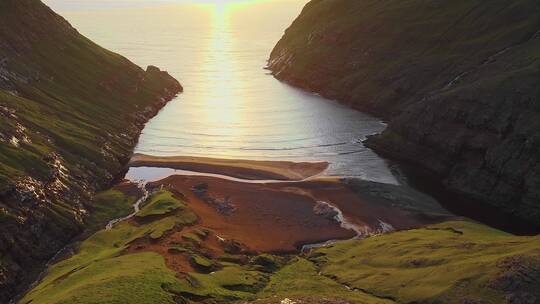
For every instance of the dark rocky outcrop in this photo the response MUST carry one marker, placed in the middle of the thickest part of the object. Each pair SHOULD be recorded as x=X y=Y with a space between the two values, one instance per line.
x=70 y=114
x=457 y=81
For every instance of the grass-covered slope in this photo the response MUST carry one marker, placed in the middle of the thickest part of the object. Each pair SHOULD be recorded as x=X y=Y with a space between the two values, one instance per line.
x=456 y=79
x=453 y=262
x=70 y=113
x=108 y=205
x=160 y=203
x=102 y=272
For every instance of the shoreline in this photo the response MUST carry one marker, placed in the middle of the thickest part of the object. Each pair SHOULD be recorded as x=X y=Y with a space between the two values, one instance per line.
x=311 y=173
x=237 y=168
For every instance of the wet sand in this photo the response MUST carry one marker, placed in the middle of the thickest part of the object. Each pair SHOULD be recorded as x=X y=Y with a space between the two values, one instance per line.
x=250 y=214
x=244 y=169
x=264 y=220
x=280 y=217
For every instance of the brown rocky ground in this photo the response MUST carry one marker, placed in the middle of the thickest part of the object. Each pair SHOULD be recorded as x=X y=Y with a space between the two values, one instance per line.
x=245 y=219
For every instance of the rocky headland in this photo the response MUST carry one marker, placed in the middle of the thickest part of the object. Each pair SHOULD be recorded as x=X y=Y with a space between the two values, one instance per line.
x=71 y=113
x=457 y=82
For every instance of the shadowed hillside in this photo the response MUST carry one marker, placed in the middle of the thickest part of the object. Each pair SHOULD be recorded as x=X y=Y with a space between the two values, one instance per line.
x=456 y=79
x=70 y=114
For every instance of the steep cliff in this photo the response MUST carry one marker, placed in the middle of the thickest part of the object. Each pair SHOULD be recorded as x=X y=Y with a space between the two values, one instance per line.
x=457 y=81
x=70 y=114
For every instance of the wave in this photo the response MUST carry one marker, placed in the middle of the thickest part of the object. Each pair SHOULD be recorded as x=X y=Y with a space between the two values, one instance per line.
x=176 y=147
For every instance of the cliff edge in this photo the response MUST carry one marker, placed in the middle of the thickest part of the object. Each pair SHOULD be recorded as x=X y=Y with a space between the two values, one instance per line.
x=70 y=114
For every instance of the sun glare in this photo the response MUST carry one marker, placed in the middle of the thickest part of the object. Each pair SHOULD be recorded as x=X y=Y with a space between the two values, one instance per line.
x=223 y=108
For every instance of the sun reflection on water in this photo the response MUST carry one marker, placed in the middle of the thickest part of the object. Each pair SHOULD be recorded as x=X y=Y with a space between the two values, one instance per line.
x=231 y=108
x=224 y=108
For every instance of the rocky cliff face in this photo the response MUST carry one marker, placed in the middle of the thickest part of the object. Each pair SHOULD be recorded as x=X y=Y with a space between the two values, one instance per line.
x=70 y=114
x=457 y=80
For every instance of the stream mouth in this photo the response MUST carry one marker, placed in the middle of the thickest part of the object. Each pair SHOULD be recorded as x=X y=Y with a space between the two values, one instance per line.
x=136 y=206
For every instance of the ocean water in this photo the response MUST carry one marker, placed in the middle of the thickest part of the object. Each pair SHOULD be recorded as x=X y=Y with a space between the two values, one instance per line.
x=231 y=107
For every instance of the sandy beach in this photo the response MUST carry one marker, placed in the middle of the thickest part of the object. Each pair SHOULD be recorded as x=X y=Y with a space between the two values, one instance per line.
x=244 y=169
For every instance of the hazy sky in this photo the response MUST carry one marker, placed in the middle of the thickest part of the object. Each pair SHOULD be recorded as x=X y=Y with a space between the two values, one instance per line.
x=96 y=4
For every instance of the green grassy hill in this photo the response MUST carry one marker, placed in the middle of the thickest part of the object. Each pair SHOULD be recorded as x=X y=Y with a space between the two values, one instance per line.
x=453 y=262
x=456 y=79
x=70 y=114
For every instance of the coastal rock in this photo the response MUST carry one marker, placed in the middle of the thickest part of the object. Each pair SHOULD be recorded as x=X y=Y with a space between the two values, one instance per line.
x=519 y=278
x=223 y=206
x=200 y=189
x=325 y=210
x=232 y=246
x=457 y=83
